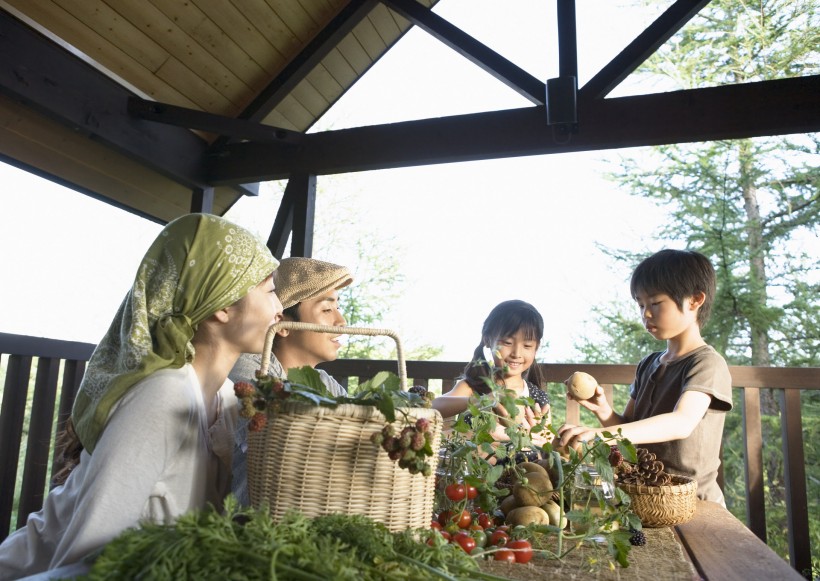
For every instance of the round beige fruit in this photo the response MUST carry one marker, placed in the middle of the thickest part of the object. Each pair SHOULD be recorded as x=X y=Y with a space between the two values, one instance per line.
x=581 y=385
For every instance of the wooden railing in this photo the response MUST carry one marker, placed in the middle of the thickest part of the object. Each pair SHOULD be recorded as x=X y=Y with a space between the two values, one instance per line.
x=68 y=359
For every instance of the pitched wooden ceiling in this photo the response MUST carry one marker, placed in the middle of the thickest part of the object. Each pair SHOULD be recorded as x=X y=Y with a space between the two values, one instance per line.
x=161 y=106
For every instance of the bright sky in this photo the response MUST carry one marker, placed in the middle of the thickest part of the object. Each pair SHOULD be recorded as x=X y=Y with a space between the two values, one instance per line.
x=467 y=235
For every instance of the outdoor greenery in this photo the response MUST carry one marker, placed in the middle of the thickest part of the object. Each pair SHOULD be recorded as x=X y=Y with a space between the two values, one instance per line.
x=749 y=205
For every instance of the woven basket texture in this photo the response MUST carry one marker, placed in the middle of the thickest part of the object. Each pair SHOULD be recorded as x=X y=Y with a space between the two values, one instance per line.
x=663 y=506
x=320 y=460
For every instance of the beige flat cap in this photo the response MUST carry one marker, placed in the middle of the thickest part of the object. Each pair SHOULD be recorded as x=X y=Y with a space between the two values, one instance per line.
x=300 y=279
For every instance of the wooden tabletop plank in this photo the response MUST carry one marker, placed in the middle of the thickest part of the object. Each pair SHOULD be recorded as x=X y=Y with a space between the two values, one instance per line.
x=722 y=548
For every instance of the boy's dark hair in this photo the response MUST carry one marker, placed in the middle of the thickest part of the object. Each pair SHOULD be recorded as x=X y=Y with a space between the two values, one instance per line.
x=679 y=274
x=505 y=320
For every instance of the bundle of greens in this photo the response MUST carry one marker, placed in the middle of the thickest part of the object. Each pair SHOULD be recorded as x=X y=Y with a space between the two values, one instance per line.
x=247 y=544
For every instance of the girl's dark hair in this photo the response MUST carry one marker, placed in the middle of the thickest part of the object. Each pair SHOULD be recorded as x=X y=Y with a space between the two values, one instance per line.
x=679 y=274
x=505 y=320
x=69 y=449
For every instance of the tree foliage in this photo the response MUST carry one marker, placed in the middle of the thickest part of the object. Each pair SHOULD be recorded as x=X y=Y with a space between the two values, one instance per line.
x=753 y=207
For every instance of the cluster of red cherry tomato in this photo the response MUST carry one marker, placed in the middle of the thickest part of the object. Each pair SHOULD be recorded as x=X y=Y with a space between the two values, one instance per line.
x=477 y=532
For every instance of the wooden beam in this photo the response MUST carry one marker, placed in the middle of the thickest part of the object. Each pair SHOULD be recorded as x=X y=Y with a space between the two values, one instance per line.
x=295 y=216
x=304 y=212
x=776 y=107
x=44 y=76
x=644 y=45
x=481 y=55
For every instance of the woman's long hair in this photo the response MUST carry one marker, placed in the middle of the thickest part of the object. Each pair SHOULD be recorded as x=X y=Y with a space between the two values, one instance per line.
x=505 y=320
x=69 y=449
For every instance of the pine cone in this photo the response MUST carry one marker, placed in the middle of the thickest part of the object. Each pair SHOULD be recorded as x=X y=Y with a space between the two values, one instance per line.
x=648 y=471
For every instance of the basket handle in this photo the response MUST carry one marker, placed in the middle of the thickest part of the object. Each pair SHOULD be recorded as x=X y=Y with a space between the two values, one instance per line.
x=298 y=326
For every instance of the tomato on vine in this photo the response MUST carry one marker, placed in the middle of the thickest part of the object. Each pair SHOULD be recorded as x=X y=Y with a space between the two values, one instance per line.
x=455 y=491
x=485 y=520
x=499 y=538
x=465 y=541
x=522 y=549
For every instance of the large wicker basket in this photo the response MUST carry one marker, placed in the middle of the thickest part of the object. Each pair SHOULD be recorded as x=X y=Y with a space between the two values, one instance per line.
x=320 y=460
x=663 y=506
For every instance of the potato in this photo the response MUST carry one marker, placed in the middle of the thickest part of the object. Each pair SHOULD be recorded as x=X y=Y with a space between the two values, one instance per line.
x=581 y=385
x=508 y=504
x=536 y=491
x=554 y=512
x=532 y=467
x=527 y=515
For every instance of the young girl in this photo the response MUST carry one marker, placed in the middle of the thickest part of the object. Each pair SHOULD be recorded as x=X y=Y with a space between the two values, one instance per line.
x=152 y=428
x=510 y=337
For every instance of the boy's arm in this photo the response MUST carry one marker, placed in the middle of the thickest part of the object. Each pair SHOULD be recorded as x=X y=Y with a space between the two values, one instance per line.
x=675 y=425
x=599 y=405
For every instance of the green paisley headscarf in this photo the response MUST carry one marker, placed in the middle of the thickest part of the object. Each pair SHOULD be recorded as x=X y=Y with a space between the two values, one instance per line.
x=198 y=264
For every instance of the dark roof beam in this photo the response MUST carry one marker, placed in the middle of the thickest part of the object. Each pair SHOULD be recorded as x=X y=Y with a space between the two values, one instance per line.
x=728 y=112
x=640 y=49
x=479 y=54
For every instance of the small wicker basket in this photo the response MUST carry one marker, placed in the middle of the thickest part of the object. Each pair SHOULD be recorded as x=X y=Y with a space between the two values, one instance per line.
x=663 y=506
x=320 y=460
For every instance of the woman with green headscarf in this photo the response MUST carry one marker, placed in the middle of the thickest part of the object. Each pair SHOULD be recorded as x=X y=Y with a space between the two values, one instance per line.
x=152 y=411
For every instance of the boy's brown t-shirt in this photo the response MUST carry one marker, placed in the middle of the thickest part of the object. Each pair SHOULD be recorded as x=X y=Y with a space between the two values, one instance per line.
x=656 y=390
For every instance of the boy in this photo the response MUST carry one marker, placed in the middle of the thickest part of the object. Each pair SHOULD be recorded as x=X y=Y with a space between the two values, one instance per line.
x=679 y=397
x=308 y=290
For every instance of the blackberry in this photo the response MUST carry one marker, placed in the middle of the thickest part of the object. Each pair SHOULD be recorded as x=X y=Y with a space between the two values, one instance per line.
x=638 y=538
x=615 y=457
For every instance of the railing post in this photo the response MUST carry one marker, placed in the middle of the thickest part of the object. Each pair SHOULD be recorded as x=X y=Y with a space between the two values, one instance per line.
x=794 y=472
x=15 y=392
x=753 y=460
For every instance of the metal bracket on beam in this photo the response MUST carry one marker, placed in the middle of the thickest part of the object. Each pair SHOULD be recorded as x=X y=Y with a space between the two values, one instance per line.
x=192 y=119
x=562 y=92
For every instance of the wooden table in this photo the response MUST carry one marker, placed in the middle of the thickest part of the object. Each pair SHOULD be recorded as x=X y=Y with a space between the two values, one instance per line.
x=722 y=548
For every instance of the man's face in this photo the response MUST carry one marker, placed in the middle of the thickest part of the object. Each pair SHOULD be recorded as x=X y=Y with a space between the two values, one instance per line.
x=312 y=347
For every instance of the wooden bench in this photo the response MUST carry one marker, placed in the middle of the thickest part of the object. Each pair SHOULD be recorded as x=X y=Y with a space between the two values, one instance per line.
x=722 y=548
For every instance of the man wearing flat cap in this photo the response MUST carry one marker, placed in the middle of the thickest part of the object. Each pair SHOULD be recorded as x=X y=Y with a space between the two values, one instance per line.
x=309 y=292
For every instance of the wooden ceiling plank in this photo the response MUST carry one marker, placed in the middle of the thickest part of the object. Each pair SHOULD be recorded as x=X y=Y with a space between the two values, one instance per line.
x=325 y=83
x=298 y=21
x=479 y=54
x=110 y=56
x=243 y=41
x=295 y=113
x=641 y=48
x=190 y=37
x=36 y=71
x=276 y=119
x=337 y=66
x=265 y=19
x=116 y=30
x=369 y=38
x=726 y=112
x=203 y=95
x=307 y=59
x=55 y=150
x=311 y=99
x=355 y=54
x=385 y=24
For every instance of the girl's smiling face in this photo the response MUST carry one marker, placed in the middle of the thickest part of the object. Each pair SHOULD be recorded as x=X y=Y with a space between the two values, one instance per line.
x=515 y=352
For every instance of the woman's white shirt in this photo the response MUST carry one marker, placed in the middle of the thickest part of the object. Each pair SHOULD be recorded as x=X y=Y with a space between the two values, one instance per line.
x=156 y=459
